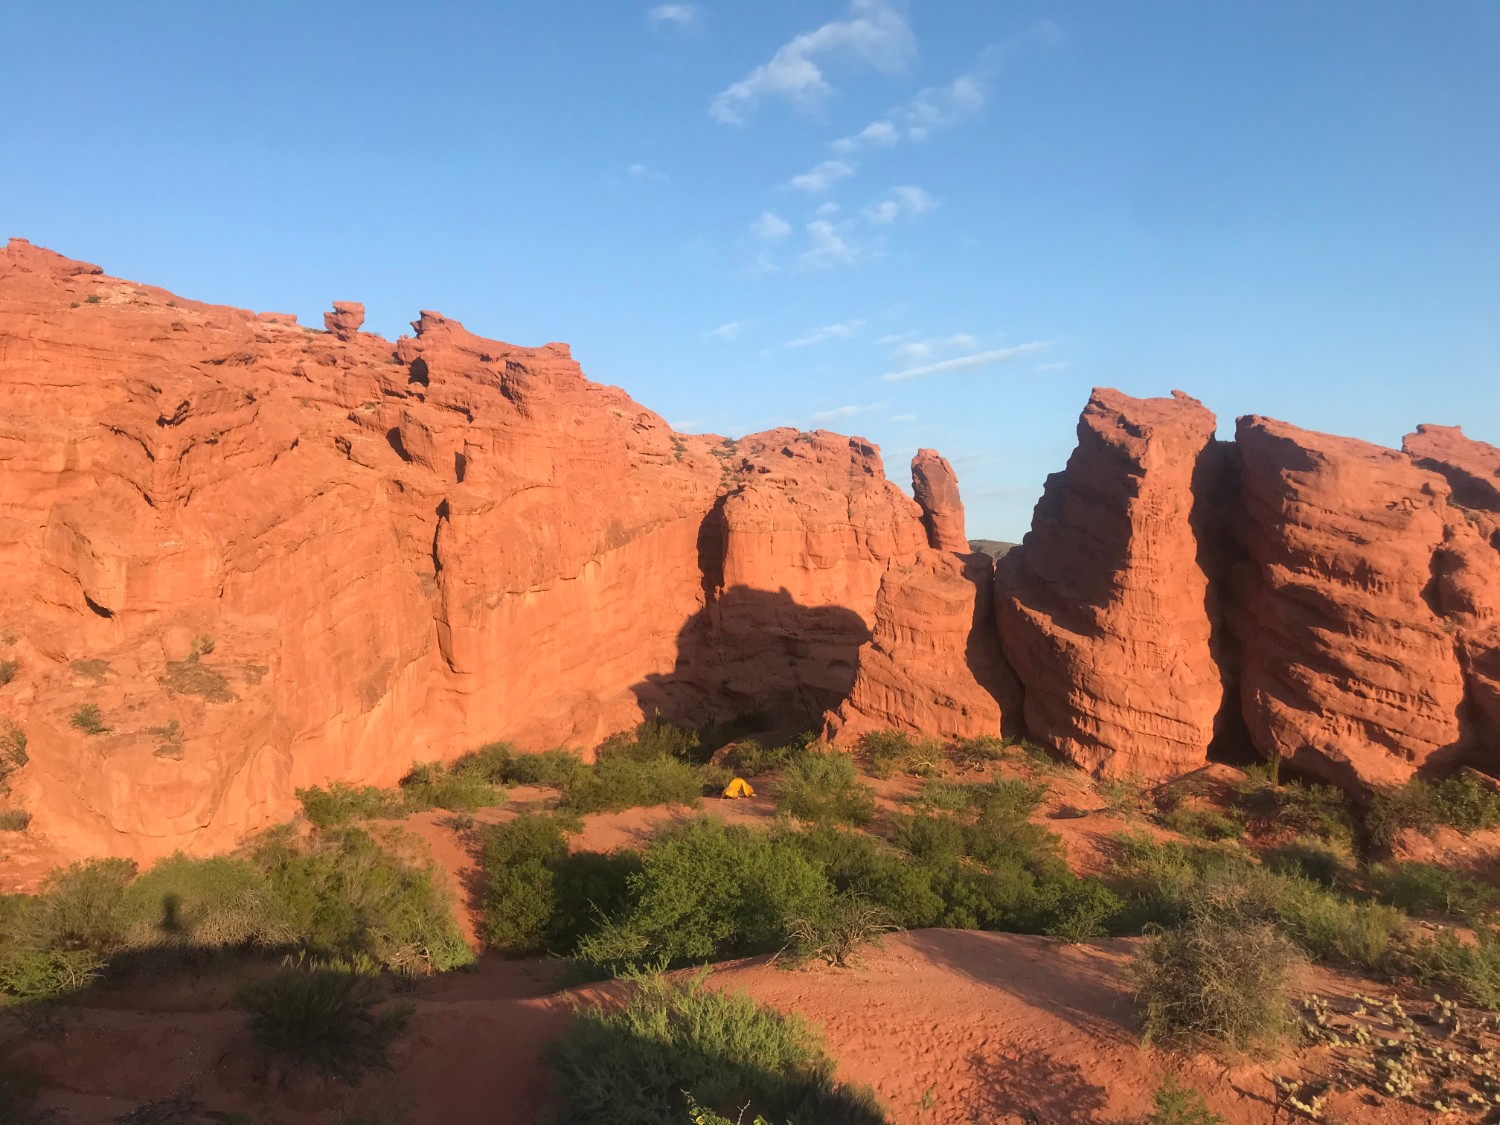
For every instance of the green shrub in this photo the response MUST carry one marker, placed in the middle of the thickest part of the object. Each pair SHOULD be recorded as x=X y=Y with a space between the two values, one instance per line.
x=431 y=785
x=1472 y=968
x=1216 y=980
x=1081 y=909
x=1179 y=1105
x=554 y=768
x=977 y=753
x=887 y=752
x=656 y=738
x=14 y=820
x=347 y=896
x=673 y=1041
x=857 y=863
x=89 y=719
x=519 y=858
x=708 y=890
x=1202 y=824
x=837 y=927
x=340 y=804
x=622 y=779
x=1309 y=859
x=79 y=906
x=751 y=759
x=8 y=670
x=12 y=749
x=824 y=788
x=203 y=904
x=324 y=1019
x=1319 y=811
x=30 y=975
x=1421 y=888
x=1461 y=802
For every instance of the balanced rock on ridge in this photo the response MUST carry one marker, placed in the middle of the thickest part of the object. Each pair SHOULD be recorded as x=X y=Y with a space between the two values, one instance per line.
x=345 y=319
x=935 y=487
x=1104 y=608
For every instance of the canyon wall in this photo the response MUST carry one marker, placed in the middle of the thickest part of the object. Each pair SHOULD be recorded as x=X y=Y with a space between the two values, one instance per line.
x=270 y=557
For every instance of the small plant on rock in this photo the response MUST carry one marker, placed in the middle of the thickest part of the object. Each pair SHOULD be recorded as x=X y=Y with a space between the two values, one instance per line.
x=323 y=1018
x=89 y=719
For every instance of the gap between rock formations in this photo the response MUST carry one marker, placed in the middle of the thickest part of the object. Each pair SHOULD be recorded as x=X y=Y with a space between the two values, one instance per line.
x=400 y=551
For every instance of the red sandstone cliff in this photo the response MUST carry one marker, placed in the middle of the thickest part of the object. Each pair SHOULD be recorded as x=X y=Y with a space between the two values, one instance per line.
x=1104 y=609
x=273 y=556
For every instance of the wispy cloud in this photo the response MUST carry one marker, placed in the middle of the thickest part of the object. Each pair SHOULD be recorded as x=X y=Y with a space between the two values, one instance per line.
x=875 y=134
x=825 y=210
x=875 y=32
x=915 y=351
x=821 y=178
x=967 y=362
x=770 y=227
x=679 y=15
x=645 y=172
x=827 y=248
x=828 y=332
x=902 y=201
x=728 y=331
x=839 y=412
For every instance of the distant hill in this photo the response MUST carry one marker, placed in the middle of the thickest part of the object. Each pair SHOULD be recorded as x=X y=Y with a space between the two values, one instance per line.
x=992 y=547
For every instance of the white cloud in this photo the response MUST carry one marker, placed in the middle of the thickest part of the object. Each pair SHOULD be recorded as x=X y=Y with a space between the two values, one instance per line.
x=903 y=201
x=770 y=227
x=839 y=412
x=825 y=210
x=728 y=331
x=644 y=172
x=682 y=15
x=942 y=107
x=821 y=178
x=903 y=417
x=915 y=351
x=763 y=265
x=881 y=133
x=967 y=362
x=875 y=33
x=827 y=248
x=1045 y=367
x=828 y=332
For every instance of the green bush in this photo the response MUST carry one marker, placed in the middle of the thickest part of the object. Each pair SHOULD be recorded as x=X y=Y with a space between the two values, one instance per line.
x=656 y=738
x=1172 y=1104
x=463 y=788
x=1471 y=968
x=677 y=1043
x=1202 y=824
x=340 y=804
x=751 y=759
x=1309 y=859
x=203 y=904
x=622 y=779
x=89 y=719
x=887 y=752
x=837 y=927
x=14 y=820
x=519 y=858
x=324 y=1019
x=857 y=863
x=824 y=788
x=708 y=890
x=1217 y=980
x=79 y=906
x=8 y=670
x=29 y=975
x=977 y=753
x=1461 y=802
x=1421 y=888
x=347 y=896
x=1319 y=811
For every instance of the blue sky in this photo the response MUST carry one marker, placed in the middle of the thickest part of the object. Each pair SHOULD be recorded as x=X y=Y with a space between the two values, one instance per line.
x=930 y=223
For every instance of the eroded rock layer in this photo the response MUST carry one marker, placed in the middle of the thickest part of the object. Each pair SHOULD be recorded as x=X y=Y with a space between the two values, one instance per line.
x=1104 y=608
x=271 y=557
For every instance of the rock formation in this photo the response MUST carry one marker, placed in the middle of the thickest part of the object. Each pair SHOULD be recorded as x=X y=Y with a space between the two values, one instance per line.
x=936 y=490
x=272 y=557
x=243 y=556
x=1348 y=669
x=1104 y=608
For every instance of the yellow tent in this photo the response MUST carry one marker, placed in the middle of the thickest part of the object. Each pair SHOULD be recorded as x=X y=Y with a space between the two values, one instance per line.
x=739 y=787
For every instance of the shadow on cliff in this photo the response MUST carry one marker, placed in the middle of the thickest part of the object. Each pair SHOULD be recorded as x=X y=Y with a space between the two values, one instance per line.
x=751 y=650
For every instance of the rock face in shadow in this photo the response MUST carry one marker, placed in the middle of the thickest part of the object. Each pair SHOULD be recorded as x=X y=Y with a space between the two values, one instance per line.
x=933 y=665
x=1349 y=670
x=1104 y=608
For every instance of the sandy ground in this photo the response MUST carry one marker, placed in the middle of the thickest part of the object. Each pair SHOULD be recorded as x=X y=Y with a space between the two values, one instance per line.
x=945 y=1025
